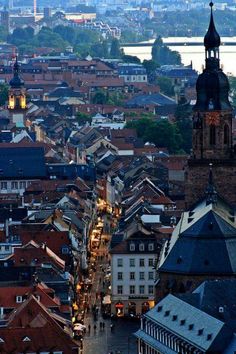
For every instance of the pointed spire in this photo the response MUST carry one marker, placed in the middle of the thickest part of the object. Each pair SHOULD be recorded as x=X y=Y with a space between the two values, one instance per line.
x=16 y=67
x=16 y=81
x=211 y=194
x=212 y=38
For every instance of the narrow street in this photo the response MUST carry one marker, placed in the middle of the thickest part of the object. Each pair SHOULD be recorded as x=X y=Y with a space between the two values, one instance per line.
x=104 y=336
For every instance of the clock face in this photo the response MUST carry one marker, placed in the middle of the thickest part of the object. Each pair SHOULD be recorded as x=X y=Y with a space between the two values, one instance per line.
x=212 y=118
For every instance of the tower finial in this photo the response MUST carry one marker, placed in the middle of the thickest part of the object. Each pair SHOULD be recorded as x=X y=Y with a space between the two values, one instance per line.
x=212 y=38
x=211 y=194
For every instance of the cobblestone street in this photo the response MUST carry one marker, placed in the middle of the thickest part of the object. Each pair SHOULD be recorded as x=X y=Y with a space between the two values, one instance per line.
x=99 y=340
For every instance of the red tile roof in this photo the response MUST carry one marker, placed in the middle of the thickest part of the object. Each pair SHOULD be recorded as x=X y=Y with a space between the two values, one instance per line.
x=32 y=329
x=53 y=239
x=34 y=254
x=8 y=296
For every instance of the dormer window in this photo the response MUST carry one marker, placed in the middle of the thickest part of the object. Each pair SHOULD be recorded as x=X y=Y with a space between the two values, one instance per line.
x=141 y=247
x=132 y=247
x=26 y=339
x=19 y=299
x=151 y=247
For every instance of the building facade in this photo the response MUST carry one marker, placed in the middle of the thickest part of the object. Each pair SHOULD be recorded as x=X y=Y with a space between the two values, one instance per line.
x=133 y=275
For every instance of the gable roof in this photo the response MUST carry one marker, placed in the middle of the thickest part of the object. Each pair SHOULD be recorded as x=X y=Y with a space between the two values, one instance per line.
x=203 y=242
x=8 y=296
x=33 y=254
x=32 y=328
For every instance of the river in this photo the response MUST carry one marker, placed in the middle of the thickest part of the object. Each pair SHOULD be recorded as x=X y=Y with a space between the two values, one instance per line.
x=194 y=53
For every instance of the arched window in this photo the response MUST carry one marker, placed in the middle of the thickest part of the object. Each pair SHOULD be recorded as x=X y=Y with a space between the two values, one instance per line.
x=226 y=134
x=212 y=135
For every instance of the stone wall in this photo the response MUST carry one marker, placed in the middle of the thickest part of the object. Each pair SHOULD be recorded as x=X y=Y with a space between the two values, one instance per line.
x=181 y=283
x=224 y=177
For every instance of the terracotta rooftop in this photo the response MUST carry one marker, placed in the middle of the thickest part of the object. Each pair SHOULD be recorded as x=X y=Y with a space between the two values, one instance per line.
x=32 y=329
x=8 y=296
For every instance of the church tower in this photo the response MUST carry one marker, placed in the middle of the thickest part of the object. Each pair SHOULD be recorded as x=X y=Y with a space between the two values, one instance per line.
x=17 y=97
x=212 y=127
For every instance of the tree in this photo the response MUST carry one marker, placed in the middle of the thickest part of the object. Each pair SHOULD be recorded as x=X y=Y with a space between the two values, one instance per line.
x=150 y=67
x=162 y=133
x=67 y=33
x=183 y=116
x=115 y=51
x=3 y=94
x=47 y=38
x=83 y=118
x=162 y=55
x=166 y=85
x=99 y=98
x=3 y=34
x=99 y=50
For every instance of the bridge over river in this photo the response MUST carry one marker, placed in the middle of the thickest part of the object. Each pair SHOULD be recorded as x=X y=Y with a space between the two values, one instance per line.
x=181 y=41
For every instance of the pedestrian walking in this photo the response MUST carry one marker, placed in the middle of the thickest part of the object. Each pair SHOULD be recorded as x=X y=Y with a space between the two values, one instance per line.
x=94 y=327
x=89 y=328
x=100 y=325
x=103 y=325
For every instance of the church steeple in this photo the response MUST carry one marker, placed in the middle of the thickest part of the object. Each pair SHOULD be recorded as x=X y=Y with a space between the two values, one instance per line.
x=212 y=120
x=212 y=130
x=212 y=85
x=212 y=43
x=17 y=97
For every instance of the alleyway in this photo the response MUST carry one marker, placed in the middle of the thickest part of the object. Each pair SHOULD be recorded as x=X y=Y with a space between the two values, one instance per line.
x=99 y=340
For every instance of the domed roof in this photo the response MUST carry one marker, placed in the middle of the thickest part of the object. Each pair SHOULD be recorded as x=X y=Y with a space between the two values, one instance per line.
x=212 y=90
x=212 y=38
x=16 y=81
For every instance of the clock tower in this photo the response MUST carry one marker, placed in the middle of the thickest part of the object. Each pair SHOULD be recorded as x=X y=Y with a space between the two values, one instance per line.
x=17 y=97
x=212 y=127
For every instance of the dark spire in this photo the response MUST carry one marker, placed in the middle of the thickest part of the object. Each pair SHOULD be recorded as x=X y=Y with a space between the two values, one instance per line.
x=16 y=81
x=211 y=194
x=16 y=67
x=212 y=38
